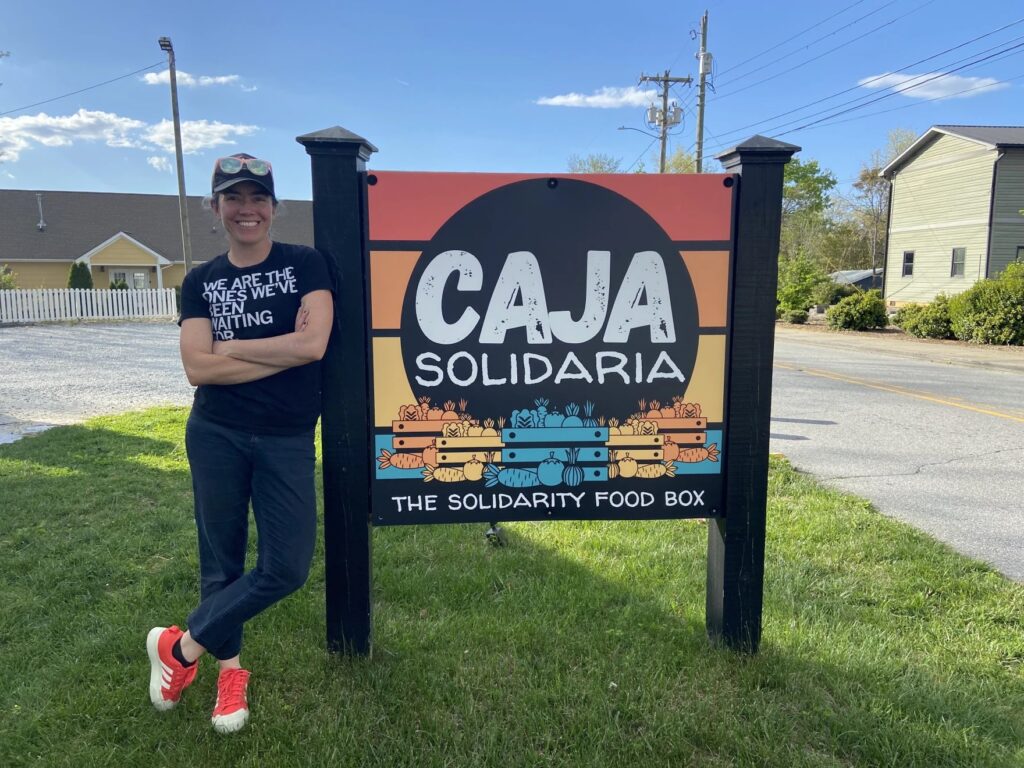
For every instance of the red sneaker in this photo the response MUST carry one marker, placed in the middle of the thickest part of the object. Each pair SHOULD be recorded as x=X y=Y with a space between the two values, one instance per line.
x=232 y=710
x=168 y=677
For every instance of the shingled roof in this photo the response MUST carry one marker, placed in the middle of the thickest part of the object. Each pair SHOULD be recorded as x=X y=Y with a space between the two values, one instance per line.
x=994 y=136
x=76 y=222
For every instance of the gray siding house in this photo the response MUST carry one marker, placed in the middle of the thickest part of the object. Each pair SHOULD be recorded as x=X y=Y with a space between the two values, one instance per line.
x=956 y=211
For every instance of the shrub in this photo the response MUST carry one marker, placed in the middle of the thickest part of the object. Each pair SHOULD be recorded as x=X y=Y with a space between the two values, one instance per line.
x=928 y=321
x=118 y=285
x=991 y=311
x=798 y=278
x=828 y=292
x=7 y=278
x=79 y=276
x=859 y=312
x=795 y=316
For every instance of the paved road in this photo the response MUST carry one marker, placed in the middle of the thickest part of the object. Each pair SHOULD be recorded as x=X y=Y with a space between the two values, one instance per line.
x=932 y=434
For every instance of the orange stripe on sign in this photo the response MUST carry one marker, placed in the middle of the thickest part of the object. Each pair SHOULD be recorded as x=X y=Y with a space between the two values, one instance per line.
x=390 y=272
x=709 y=271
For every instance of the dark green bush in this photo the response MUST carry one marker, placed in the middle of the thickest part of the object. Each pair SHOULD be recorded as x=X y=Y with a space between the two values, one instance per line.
x=929 y=321
x=858 y=312
x=829 y=292
x=798 y=278
x=991 y=311
x=796 y=316
x=118 y=285
x=7 y=278
x=905 y=315
x=79 y=276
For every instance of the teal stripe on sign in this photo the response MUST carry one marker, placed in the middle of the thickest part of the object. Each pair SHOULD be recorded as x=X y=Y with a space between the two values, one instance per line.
x=588 y=454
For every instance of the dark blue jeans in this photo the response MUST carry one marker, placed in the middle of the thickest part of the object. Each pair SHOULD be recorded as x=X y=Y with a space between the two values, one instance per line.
x=230 y=467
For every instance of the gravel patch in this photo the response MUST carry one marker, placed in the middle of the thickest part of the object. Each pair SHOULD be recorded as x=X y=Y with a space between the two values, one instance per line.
x=61 y=373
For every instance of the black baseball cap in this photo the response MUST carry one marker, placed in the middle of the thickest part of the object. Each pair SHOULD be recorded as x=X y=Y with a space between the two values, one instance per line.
x=230 y=170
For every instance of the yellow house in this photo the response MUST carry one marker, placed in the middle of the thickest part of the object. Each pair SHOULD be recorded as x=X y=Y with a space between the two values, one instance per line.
x=134 y=238
x=956 y=211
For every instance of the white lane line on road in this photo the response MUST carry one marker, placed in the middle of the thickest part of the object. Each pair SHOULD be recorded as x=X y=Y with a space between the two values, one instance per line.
x=899 y=391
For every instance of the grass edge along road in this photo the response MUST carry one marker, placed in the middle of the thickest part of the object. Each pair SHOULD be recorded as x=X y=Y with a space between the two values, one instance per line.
x=579 y=644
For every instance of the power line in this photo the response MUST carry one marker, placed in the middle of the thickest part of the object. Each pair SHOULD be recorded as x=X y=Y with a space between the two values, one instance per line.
x=743 y=128
x=901 y=90
x=826 y=53
x=641 y=155
x=798 y=34
x=82 y=90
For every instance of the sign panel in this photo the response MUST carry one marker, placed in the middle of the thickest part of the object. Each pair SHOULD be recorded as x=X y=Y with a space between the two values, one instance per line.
x=548 y=347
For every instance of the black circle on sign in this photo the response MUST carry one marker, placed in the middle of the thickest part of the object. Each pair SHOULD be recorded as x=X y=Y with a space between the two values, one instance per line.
x=558 y=225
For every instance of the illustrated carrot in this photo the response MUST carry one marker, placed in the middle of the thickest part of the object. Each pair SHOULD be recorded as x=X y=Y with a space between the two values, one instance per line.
x=399 y=460
x=443 y=474
x=650 y=471
x=693 y=455
x=510 y=477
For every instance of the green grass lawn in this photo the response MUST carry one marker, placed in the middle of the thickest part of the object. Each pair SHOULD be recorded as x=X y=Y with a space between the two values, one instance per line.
x=579 y=644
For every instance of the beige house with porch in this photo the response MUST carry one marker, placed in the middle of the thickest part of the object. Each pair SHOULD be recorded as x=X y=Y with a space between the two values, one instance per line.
x=134 y=238
x=956 y=211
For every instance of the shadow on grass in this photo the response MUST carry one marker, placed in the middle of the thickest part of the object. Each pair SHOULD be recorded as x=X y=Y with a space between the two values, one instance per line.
x=579 y=644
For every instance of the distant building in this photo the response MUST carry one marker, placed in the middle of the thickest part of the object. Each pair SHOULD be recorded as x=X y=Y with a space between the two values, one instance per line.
x=956 y=210
x=135 y=238
x=865 y=279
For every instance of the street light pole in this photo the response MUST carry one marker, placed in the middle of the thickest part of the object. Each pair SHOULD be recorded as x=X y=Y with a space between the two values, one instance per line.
x=186 y=239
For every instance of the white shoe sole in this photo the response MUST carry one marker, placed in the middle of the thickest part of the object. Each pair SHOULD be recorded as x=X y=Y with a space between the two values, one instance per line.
x=156 y=669
x=230 y=723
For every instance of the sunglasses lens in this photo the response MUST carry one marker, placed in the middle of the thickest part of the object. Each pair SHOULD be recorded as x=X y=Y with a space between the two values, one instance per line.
x=258 y=167
x=230 y=164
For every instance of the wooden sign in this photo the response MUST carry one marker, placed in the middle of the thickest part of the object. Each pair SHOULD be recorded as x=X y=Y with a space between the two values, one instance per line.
x=548 y=346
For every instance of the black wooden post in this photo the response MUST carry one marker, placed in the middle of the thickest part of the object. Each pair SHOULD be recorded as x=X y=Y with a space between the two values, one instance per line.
x=341 y=232
x=736 y=542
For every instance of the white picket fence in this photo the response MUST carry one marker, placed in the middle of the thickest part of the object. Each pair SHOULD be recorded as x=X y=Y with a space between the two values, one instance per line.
x=41 y=304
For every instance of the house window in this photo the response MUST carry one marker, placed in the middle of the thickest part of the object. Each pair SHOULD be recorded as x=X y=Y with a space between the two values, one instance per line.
x=118 y=276
x=959 y=258
x=908 y=264
x=140 y=281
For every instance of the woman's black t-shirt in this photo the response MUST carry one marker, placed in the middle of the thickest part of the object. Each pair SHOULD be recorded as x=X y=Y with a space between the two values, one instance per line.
x=256 y=303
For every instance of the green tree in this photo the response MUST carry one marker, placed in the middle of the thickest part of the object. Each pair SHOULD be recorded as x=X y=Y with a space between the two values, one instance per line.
x=7 y=278
x=79 y=276
x=806 y=188
x=594 y=163
x=799 y=279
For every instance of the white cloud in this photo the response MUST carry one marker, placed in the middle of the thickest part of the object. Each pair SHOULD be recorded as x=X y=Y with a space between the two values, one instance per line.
x=602 y=98
x=947 y=87
x=189 y=81
x=18 y=134
x=159 y=163
x=196 y=135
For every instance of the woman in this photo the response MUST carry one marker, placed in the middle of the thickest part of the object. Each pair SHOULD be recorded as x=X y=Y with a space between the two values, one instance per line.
x=255 y=322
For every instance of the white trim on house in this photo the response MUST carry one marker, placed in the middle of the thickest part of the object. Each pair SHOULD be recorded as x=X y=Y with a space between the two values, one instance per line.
x=931 y=133
x=87 y=257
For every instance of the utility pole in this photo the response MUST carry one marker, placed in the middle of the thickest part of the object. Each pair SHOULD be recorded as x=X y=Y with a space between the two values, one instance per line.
x=662 y=117
x=186 y=239
x=704 y=66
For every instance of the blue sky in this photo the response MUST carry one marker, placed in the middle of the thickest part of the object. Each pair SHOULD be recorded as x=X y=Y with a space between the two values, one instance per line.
x=459 y=86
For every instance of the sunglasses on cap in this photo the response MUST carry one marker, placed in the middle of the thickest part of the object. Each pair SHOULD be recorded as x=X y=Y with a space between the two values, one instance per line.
x=235 y=164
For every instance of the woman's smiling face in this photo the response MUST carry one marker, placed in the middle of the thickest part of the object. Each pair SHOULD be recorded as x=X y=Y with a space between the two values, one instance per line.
x=246 y=210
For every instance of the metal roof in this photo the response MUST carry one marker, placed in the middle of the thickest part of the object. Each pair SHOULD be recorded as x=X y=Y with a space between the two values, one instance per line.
x=76 y=222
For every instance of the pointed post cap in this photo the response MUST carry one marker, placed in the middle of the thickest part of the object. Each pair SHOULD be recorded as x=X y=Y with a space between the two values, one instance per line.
x=336 y=140
x=757 y=150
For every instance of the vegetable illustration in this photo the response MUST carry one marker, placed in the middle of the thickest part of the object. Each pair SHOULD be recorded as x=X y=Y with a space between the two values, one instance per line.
x=627 y=466
x=449 y=413
x=473 y=469
x=434 y=413
x=655 y=412
x=693 y=455
x=650 y=471
x=424 y=406
x=540 y=413
x=613 y=427
x=399 y=460
x=613 y=470
x=473 y=428
x=523 y=419
x=549 y=472
x=443 y=474
x=573 y=474
x=409 y=413
x=452 y=429
x=510 y=477
x=430 y=453
x=572 y=416
x=554 y=418
x=489 y=430
x=670 y=450
x=690 y=410
x=588 y=415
